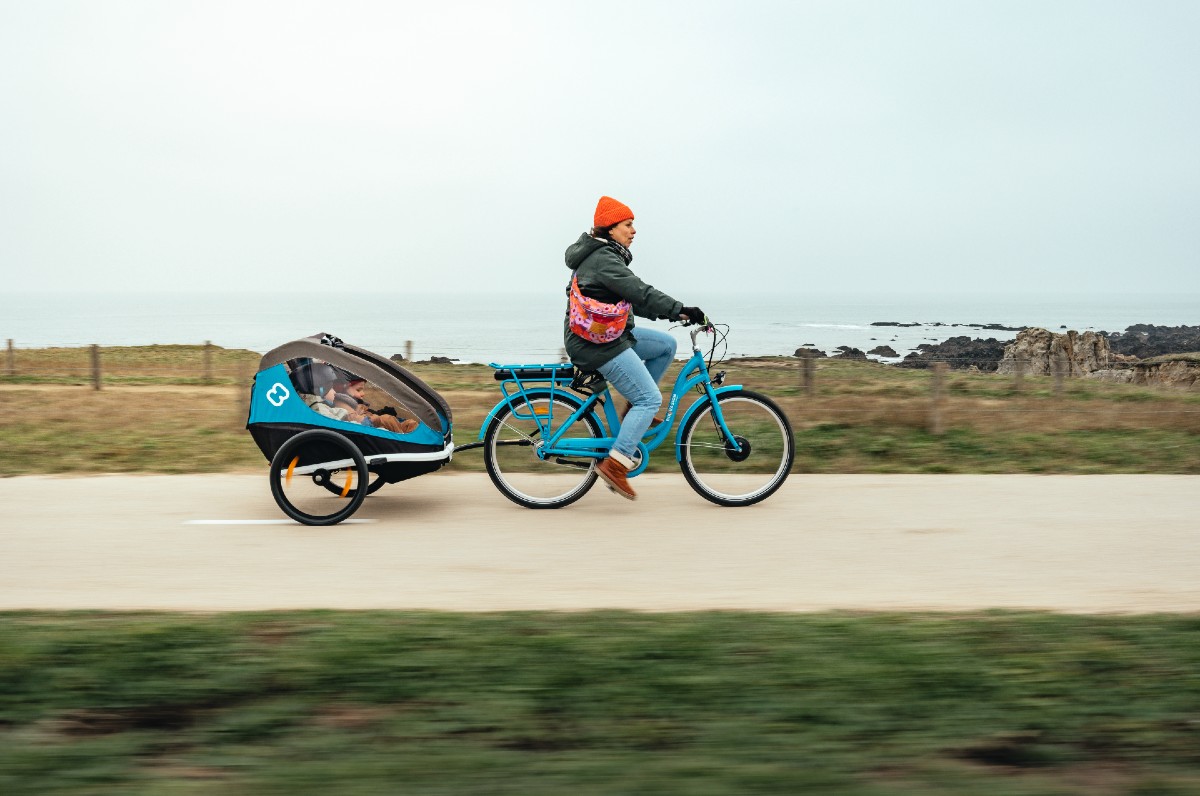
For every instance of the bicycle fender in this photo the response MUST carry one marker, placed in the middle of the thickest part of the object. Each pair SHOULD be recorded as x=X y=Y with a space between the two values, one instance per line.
x=693 y=409
x=532 y=392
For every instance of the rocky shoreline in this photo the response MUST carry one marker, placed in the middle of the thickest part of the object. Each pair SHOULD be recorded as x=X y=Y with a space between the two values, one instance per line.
x=994 y=327
x=1143 y=353
x=1145 y=340
x=1142 y=340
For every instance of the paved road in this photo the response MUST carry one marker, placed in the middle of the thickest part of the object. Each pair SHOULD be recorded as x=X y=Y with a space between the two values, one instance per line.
x=1126 y=543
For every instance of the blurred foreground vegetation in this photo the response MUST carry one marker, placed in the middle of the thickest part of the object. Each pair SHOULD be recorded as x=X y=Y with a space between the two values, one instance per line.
x=183 y=409
x=598 y=703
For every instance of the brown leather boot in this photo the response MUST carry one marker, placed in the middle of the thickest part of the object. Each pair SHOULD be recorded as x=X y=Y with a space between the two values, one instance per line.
x=613 y=473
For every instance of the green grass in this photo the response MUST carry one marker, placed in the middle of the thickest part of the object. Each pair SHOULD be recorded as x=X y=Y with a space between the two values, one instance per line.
x=714 y=703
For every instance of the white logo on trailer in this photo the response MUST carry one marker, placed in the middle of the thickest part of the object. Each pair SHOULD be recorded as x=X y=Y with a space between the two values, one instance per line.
x=278 y=394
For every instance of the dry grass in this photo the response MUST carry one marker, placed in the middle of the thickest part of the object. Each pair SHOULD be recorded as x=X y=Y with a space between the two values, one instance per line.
x=153 y=415
x=189 y=364
x=170 y=428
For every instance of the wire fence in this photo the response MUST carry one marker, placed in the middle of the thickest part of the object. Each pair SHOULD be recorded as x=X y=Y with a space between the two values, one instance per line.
x=937 y=394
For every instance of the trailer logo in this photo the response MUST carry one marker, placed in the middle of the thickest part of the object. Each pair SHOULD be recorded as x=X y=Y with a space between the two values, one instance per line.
x=277 y=394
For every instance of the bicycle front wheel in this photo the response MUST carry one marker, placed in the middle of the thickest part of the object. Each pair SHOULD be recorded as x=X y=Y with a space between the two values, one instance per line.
x=750 y=466
x=510 y=453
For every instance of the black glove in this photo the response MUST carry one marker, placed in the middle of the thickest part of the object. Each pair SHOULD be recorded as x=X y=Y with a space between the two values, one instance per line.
x=694 y=315
x=388 y=410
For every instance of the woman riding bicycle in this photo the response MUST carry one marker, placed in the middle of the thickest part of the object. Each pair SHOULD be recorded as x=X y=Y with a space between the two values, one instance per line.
x=599 y=332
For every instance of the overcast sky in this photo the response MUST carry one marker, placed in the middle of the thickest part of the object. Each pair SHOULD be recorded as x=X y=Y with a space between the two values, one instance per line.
x=788 y=146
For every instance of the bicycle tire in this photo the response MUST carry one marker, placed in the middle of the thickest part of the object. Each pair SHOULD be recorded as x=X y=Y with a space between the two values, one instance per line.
x=304 y=496
x=509 y=454
x=725 y=474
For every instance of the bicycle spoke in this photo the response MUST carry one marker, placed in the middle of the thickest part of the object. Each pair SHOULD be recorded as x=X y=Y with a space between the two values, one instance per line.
x=511 y=453
x=750 y=466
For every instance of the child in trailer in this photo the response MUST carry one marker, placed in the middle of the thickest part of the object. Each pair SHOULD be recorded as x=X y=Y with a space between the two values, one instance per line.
x=353 y=398
x=340 y=395
x=327 y=404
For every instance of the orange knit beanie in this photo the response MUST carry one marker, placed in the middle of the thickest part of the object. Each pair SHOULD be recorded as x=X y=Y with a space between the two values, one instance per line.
x=609 y=211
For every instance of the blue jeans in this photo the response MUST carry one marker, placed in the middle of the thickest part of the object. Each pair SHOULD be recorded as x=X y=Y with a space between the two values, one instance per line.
x=635 y=373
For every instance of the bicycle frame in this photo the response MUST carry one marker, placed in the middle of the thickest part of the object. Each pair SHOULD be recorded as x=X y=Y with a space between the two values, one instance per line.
x=559 y=444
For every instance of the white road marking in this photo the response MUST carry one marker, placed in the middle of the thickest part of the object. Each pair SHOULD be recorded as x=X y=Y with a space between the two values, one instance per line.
x=261 y=522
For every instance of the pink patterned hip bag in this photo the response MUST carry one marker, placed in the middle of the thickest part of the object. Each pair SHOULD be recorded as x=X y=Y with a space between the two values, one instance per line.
x=595 y=321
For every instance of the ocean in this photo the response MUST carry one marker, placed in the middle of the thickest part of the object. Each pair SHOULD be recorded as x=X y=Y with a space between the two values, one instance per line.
x=512 y=328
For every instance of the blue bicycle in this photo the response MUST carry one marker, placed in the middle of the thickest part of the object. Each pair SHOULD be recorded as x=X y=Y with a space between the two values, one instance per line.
x=543 y=440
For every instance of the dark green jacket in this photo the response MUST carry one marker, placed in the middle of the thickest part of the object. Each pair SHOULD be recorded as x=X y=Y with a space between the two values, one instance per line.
x=604 y=276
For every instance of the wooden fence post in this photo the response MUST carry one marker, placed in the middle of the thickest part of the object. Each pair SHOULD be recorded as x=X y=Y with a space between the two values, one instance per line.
x=208 y=375
x=96 y=378
x=408 y=351
x=12 y=359
x=242 y=385
x=1019 y=365
x=807 y=370
x=1058 y=365
x=935 y=404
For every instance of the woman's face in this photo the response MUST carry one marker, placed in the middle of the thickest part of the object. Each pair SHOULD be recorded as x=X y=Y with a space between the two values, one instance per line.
x=623 y=233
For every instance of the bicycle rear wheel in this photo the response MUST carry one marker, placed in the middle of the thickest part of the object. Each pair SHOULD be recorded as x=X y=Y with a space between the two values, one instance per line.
x=315 y=475
x=745 y=472
x=510 y=447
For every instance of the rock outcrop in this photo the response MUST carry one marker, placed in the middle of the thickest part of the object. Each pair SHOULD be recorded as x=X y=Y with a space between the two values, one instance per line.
x=809 y=350
x=960 y=353
x=846 y=352
x=1181 y=371
x=1036 y=350
x=1111 y=375
x=1145 y=340
x=1175 y=371
x=883 y=351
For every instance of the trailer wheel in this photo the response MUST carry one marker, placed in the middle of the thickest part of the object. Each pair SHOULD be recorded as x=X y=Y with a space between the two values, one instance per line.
x=315 y=477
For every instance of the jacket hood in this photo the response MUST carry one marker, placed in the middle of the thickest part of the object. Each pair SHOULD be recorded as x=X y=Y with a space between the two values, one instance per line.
x=581 y=249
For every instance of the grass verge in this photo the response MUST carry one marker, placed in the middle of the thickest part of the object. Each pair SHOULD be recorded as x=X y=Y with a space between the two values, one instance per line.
x=604 y=702
x=153 y=416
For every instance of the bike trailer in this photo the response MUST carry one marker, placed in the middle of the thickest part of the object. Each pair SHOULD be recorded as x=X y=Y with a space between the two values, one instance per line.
x=291 y=375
